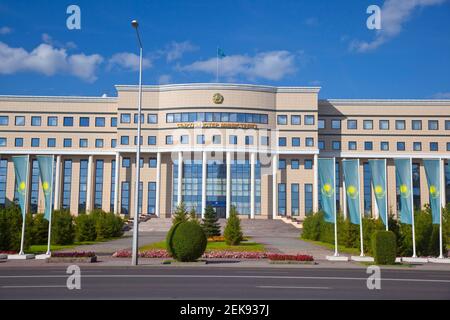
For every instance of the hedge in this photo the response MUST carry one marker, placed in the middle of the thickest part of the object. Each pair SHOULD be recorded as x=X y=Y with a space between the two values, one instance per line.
x=384 y=246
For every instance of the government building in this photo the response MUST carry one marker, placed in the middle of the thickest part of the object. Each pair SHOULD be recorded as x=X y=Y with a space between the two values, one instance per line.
x=249 y=146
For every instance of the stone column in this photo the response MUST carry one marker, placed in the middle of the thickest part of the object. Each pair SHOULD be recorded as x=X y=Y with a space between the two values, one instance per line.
x=158 y=183
x=228 y=192
x=204 y=173
x=252 y=184
x=57 y=186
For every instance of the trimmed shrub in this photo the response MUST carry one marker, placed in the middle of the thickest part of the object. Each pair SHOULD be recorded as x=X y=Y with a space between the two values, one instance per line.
x=39 y=229
x=384 y=247
x=10 y=228
x=85 y=228
x=210 y=223
x=63 y=228
x=107 y=225
x=233 y=232
x=186 y=241
x=312 y=227
x=180 y=214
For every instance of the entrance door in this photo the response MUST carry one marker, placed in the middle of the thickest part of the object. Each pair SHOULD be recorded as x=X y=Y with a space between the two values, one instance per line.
x=219 y=207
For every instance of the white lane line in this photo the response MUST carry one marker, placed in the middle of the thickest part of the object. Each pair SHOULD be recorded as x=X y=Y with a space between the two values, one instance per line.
x=31 y=287
x=281 y=287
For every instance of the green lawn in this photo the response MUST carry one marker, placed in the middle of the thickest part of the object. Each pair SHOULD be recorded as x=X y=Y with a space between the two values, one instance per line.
x=219 y=246
x=42 y=248
x=329 y=246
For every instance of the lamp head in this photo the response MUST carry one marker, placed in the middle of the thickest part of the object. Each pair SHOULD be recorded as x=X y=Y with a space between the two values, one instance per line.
x=135 y=24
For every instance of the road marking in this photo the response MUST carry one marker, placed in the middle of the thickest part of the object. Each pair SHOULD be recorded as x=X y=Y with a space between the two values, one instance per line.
x=280 y=287
x=31 y=287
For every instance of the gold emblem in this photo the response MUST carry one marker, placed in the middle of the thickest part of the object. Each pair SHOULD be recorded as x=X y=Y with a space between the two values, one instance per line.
x=218 y=98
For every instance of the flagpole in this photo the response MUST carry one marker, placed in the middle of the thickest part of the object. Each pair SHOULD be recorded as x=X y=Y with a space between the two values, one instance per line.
x=441 y=170
x=49 y=253
x=412 y=208
x=360 y=215
x=385 y=194
x=24 y=213
x=336 y=253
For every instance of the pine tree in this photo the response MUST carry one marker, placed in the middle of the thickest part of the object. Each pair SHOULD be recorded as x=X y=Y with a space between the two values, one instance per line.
x=180 y=214
x=233 y=232
x=193 y=216
x=210 y=223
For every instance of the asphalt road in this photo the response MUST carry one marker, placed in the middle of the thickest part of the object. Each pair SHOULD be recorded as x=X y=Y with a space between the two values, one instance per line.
x=220 y=283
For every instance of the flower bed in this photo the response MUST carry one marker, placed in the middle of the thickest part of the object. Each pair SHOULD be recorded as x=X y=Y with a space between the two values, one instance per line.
x=8 y=252
x=289 y=257
x=75 y=254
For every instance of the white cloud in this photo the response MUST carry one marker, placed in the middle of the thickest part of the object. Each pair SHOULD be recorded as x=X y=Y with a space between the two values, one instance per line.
x=271 y=65
x=128 y=61
x=394 y=14
x=164 y=79
x=46 y=38
x=441 y=95
x=5 y=30
x=48 y=60
x=176 y=50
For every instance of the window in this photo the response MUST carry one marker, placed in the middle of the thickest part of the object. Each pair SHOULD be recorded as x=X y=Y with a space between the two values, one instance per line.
x=125 y=198
x=282 y=142
x=113 y=143
x=169 y=139
x=83 y=143
x=368 y=145
x=68 y=122
x=114 y=122
x=141 y=140
x=151 y=200
x=447 y=124
x=99 y=143
x=20 y=121
x=264 y=140
x=4 y=120
x=2 y=142
x=124 y=140
x=233 y=139
x=67 y=184
x=296 y=142
x=152 y=163
x=295 y=199
x=384 y=146
x=216 y=117
x=36 y=121
x=135 y=119
x=184 y=139
x=368 y=124
x=35 y=142
x=18 y=142
x=99 y=122
x=217 y=139
x=367 y=185
x=352 y=124
x=416 y=185
x=51 y=142
x=321 y=124
x=309 y=120
x=308 y=164
x=433 y=125
x=98 y=188
x=384 y=124
x=296 y=120
x=282 y=164
x=321 y=145
x=34 y=196
x=52 y=121
x=282 y=199
x=125 y=118
x=417 y=146
x=126 y=162
x=67 y=143
x=282 y=119
x=151 y=140
x=84 y=122
x=248 y=140
x=352 y=145
x=335 y=124
x=434 y=146
x=416 y=124
x=400 y=146
x=112 y=191
x=336 y=145
x=152 y=118
x=400 y=124
x=448 y=146
x=3 y=176
x=309 y=142
x=295 y=164
x=82 y=195
x=308 y=199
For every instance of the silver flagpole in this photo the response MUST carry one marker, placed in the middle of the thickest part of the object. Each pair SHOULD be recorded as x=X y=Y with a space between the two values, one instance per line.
x=24 y=213
x=412 y=208
x=49 y=253
x=360 y=215
x=441 y=170
x=336 y=253
x=386 y=194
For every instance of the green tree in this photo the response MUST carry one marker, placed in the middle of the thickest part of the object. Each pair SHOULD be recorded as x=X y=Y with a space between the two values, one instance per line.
x=210 y=223
x=180 y=214
x=193 y=216
x=233 y=232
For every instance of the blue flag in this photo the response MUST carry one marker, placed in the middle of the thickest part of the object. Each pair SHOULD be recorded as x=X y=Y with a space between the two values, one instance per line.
x=327 y=191
x=220 y=53
x=432 y=170
x=404 y=184
x=21 y=164
x=378 y=169
x=46 y=173
x=351 y=178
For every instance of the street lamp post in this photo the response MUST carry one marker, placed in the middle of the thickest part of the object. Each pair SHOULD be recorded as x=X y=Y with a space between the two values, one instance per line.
x=134 y=260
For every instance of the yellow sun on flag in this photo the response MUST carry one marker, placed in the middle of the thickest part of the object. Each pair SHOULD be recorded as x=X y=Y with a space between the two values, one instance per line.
x=45 y=186
x=22 y=186
x=378 y=189
x=403 y=188
x=327 y=187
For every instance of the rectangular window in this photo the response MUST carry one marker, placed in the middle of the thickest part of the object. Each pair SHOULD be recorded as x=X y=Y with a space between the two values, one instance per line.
x=100 y=122
x=352 y=124
x=368 y=145
x=201 y=139
x=368 y=124
x=336 y=145
x=184 y=139
x=113 y=143
x=400 y=146
x=309 y=120
x=282 y=199
x=84 y=122
x=434 y=146
x=68 y=122
x=384 y=146
x=282 y=142
x=124 y=140
x=295 y=164
x=126 y=162
x=98 y=190
x=52 y=121
x=83 y=143
x=18 y=142
x=151 y=200
x=51 y=142
x=433 y=125
x=217 y=139
x=264 y=140
x=135 y=119
x=233 y=139
x=248 y=140
x=34 y=196
x=448 y=146
x=35 y=142
x=295 y=199
x=416 y=124
x=36 y=121
x=114 y=122
x=384 y=124
x=308 y=164
x=296 y=142
x=447 y=124
x=282 y=120
x=282 y=164
x=68 y=143
x=321 y=124
x=169 y=139
x=2 y=142
x=367 y=189
x=296 y=120
x=151 y=140
x=125 y=198
x=308 y=199
x=321 y=145
x=4 y=120
x=309 y=142
x=352 y=145
x=400 y=124
x=112 y=191
x=20 y=121
x=417 y=146
x=3 y=176
x=416 y=185
x=67 y=184
x=152 y=162
x=82 y=195
x=99 y=143
x=152 y=118
x=336 y=124
x=125 y=118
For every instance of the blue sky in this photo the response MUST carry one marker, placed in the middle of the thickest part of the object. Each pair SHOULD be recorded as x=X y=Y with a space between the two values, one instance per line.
x=298 y=43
